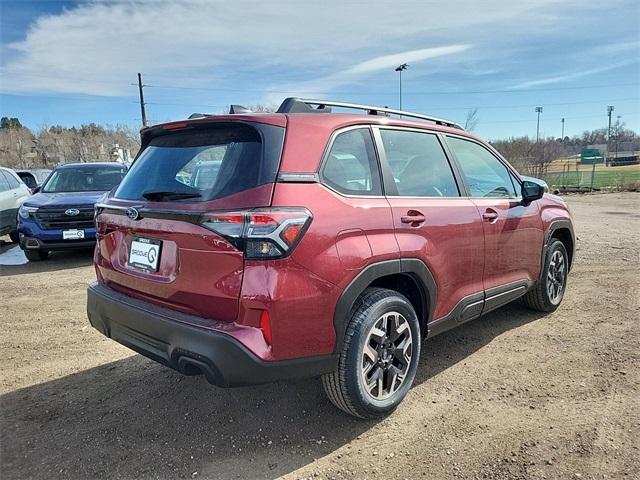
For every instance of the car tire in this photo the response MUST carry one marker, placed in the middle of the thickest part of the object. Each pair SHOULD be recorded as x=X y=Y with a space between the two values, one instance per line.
x=548 y=292
x=14 y=236
x=36 y=255
x=382 y=342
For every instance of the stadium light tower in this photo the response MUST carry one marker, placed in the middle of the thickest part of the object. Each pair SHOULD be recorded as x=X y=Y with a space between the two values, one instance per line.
x=538 y=111
x=399 y=69
x=609 y=112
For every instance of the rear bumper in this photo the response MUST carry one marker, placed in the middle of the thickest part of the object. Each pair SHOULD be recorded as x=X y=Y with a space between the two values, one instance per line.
x=173 y=339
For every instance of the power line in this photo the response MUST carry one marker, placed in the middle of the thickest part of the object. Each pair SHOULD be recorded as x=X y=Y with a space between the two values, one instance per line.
x=536 y=104
x=548 y=119
x=337 y=92
x=435 y=107
x=430 y=92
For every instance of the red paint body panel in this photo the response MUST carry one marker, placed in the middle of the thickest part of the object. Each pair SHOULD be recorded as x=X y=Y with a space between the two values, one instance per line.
x=513 y=241
x=318 y=252
x=199 y=272
x=300 y=303
x=448 y=242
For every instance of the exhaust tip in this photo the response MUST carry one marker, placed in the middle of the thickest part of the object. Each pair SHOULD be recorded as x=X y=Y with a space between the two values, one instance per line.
x=190 y=366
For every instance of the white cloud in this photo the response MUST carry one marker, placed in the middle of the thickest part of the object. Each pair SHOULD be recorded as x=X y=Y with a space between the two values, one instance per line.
x=321 y=85
x=572 y=75
x=97 y=47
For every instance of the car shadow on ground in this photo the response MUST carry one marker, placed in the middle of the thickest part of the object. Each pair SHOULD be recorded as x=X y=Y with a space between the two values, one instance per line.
x=13 y=262
x=135 y=419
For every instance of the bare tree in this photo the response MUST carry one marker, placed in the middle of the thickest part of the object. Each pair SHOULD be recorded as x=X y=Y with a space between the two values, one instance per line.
x=472 y=120
x=17 y=147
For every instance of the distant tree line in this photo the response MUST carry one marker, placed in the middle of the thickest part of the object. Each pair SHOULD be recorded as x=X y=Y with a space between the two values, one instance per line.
x=533 y=158
x=53 y=145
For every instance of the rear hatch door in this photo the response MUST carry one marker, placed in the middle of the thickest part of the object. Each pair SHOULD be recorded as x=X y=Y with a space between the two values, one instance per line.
x=152 y=244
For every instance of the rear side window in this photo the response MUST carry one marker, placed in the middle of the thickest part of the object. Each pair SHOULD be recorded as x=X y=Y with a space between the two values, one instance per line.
x=419 y=165
x=204 y=164
x=485 y=174
x=4 y=184
x=11 y=180
x=351 y=167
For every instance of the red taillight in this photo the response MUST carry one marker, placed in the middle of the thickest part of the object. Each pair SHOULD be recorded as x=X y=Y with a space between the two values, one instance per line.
x=291 y=233
x=265 y=233
x=175 y=125
x=265 y=326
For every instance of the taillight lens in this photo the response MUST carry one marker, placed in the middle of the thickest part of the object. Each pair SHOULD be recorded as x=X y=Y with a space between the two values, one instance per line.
x=264 y=233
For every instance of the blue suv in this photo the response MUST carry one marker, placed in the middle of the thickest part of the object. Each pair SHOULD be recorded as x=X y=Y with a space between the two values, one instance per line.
x=60 y=215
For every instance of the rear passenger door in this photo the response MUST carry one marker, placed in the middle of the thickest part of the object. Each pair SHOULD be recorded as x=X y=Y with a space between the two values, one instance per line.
x=6 y=202
x=513 y=231
x=432 y=220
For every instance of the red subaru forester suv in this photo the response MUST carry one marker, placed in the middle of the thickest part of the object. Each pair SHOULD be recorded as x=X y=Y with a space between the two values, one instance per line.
x=255 y=247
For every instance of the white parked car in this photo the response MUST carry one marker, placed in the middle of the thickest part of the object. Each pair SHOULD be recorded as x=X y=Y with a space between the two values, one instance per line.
x=12 y=193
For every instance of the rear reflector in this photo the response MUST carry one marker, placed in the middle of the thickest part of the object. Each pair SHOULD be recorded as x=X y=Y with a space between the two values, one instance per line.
x=265 y=326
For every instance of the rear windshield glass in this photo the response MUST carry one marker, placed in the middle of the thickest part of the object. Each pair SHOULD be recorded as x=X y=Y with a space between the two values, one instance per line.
x=204 y=164
x=84 y=179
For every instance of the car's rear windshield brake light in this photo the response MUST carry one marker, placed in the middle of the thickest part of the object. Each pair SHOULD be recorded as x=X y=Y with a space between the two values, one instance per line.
x=265 y=233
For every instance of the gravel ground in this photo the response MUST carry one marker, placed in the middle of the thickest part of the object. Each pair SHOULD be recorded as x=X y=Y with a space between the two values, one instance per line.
x=515 y=395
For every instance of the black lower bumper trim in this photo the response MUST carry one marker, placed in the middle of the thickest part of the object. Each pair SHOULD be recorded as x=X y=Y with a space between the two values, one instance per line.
x=30 y=243
x=162 y=335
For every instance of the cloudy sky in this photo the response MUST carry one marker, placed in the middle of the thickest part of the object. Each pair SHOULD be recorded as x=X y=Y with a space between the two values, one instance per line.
x=73 y=62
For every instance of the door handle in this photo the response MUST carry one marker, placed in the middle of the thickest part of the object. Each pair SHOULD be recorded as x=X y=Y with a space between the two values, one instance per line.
x=490 y=215
x=413 y=217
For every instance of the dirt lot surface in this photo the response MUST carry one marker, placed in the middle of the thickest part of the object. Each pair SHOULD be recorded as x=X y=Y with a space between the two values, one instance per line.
x=515 y=395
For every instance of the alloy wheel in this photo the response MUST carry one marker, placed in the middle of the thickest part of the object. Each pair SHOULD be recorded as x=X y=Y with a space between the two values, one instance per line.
x=387 y=355
x=556 y=277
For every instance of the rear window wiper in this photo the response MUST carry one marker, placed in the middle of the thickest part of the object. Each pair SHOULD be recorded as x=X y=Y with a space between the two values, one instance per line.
x=167 y=196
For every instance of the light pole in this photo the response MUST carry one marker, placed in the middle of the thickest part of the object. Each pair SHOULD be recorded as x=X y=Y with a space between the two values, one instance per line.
x=538 y=111
x=399 y=69
x=609 y=112
x=617 y=135
x=562 y=137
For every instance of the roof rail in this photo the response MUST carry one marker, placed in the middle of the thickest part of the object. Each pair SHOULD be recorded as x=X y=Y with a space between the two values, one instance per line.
x=304 y=105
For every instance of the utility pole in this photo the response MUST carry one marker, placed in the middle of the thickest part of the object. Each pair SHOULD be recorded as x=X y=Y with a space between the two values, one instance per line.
x=562 y=137
x=538 y=111
x=142 y=110
x=399 y=69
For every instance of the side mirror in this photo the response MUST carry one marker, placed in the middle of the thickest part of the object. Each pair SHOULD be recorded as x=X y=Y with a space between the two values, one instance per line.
x=36 y=189
x=532 y=191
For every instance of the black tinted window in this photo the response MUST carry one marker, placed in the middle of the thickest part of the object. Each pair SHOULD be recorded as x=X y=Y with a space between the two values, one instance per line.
x=28 y=179
x=204 y=164
x=485 y=174
x=351 y=166
x=419 y=165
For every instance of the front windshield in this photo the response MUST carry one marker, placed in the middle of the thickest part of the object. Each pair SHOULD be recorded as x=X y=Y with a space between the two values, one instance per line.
x=84 y=179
